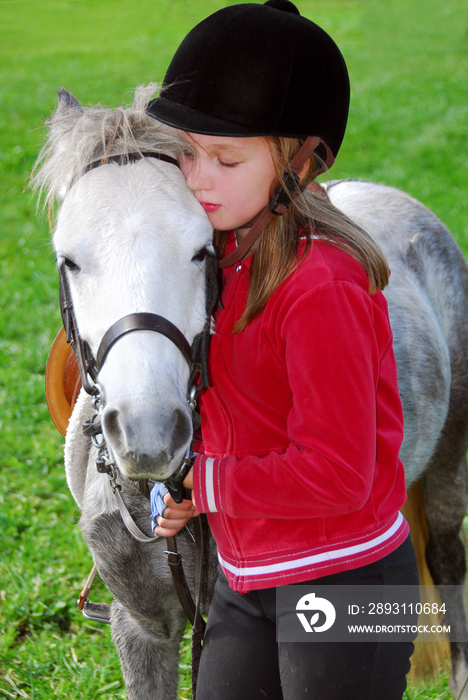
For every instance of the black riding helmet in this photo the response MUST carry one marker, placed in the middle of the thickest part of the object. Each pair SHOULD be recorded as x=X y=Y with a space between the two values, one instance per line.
x=257 y=70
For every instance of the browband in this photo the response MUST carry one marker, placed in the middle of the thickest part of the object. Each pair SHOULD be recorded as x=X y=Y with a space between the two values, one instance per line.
x=124 y=158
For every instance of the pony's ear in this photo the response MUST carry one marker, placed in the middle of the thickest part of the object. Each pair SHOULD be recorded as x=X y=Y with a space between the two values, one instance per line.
x=67 y=101
x=58 y=163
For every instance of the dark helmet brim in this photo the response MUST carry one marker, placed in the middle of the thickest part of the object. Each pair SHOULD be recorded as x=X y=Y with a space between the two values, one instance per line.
x=197 y=122
x=192 y=120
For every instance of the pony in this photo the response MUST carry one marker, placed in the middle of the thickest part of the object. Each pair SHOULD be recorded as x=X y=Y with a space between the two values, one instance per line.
x=130 y=239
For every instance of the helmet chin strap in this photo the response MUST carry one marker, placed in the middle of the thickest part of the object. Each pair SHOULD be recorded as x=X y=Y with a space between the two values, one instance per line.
x=278 y=205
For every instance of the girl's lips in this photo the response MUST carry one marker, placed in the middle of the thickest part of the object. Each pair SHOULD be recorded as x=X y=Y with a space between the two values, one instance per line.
x=209 y=206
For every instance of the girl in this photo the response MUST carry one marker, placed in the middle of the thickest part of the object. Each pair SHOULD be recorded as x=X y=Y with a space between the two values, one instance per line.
x=299 y=472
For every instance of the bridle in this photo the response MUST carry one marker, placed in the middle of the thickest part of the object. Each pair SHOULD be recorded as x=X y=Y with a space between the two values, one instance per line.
x=195 y=354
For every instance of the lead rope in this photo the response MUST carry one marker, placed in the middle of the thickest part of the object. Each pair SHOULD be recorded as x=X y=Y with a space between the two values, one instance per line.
x=199 y=625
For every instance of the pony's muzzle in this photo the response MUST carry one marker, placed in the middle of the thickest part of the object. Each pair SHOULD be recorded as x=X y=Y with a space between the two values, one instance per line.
x=151 y=452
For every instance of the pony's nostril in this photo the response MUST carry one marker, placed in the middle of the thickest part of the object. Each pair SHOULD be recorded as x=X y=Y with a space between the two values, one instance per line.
x=182 y=429
x=112 y=426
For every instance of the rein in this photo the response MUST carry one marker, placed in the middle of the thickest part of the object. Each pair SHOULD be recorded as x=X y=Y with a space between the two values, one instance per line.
x=196 y=356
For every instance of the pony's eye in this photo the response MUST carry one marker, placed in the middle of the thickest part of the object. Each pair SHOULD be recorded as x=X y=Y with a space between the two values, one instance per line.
x=70 y=264
x=201 y=255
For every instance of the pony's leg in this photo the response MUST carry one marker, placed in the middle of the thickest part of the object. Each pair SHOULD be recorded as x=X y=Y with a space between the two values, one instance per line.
x=445 y=492
x=149 y=659
x=147 y=620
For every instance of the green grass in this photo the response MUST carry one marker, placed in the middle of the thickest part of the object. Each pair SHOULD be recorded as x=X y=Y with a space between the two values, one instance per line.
x=408 y=127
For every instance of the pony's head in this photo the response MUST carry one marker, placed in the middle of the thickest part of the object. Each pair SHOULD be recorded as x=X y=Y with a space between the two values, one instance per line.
x=130 y=239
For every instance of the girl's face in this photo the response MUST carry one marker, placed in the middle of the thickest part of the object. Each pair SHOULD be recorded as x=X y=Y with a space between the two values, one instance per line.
x=231 y=177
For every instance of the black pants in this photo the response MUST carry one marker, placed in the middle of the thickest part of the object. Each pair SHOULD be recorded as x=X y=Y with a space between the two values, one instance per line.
x=241 y=659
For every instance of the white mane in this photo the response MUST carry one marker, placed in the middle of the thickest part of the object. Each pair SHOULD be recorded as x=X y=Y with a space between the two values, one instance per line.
x=79 y=136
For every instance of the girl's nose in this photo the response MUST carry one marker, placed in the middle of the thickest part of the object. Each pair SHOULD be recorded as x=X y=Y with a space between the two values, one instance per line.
x=196 y=175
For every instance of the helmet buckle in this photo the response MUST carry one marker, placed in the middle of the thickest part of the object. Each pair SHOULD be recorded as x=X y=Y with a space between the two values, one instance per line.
x=281 y=200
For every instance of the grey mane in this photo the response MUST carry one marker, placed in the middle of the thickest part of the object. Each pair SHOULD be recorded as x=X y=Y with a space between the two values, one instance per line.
x=78 y=136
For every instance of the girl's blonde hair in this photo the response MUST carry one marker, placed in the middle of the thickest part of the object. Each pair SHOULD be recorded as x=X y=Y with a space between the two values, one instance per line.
x=308 y=215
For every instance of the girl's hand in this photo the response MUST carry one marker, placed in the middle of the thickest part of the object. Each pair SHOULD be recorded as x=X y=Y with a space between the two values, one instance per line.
x=175 y=517
x=168 y=517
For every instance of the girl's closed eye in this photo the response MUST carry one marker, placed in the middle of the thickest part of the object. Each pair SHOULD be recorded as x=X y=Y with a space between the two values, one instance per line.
x=228 y=165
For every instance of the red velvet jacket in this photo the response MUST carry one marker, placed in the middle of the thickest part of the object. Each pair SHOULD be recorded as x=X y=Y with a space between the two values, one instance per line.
x=302 y=428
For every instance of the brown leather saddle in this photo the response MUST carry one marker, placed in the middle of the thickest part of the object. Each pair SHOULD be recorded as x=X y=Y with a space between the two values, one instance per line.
x=62 y=382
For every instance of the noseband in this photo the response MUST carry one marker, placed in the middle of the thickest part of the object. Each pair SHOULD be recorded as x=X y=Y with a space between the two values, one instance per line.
x=90 y=366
